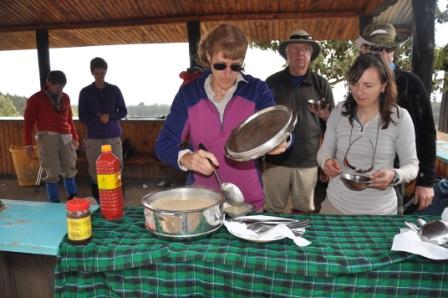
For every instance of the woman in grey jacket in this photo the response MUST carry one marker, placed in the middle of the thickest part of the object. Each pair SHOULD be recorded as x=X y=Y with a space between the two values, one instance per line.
x=363 y=135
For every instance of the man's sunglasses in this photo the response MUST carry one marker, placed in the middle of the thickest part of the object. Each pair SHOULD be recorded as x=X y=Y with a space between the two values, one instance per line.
x=233 y=67
x=380 y=49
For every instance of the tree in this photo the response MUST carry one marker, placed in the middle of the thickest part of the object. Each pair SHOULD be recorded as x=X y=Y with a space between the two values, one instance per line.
x=335 y=59
x=152 y=111
x=337 y=56
x=19 y=102
x=6 y=107
x=442 y=16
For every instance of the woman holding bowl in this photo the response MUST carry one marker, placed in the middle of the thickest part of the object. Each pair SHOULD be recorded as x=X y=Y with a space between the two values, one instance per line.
x=364 y=135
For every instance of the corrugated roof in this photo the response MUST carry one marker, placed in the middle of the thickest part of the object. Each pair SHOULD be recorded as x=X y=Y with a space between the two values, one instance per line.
x=399 y=14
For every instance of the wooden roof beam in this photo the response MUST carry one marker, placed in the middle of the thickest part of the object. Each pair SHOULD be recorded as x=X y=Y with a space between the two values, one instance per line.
x=182 y=19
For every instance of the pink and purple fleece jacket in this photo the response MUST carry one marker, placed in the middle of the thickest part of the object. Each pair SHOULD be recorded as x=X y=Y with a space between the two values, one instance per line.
x=194 y=119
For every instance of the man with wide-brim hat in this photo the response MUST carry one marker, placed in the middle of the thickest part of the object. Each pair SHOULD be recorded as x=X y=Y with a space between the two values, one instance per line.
x=300 y=36
x=412 y=95
x=294 y=173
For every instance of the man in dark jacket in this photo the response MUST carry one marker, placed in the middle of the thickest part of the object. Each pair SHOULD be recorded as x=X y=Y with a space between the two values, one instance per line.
x=101 y=107
x=412 y=95
x=294 y=173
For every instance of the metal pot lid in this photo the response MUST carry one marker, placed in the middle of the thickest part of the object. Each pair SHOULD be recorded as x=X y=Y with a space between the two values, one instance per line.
x=260 y=133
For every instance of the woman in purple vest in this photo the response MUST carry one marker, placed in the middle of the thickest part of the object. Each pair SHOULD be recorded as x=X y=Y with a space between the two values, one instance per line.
x=206 y=111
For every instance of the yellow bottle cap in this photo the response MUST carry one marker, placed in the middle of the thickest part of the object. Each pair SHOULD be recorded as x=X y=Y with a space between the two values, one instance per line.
x=106 y=148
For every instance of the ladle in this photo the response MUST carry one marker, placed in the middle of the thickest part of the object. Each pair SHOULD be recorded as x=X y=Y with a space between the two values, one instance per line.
x=232 y=193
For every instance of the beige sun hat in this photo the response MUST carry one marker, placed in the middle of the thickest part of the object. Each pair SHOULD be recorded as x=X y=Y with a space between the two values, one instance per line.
x=300 y=36
x=380 y=35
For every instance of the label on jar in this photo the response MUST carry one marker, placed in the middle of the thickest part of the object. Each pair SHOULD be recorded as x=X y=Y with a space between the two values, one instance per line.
x=109 y=181
x=79 y=228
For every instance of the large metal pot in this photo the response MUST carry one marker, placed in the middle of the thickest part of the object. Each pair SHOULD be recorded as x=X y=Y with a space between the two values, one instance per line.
x=183 y=213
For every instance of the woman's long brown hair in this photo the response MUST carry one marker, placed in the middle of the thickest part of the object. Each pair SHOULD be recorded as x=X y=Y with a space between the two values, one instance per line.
x=388 y=98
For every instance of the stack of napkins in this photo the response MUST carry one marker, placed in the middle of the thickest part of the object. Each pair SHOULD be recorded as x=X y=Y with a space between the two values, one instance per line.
x=409 y=241
x=280 y=231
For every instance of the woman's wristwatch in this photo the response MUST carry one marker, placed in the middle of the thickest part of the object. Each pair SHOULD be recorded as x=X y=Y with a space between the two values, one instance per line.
x=396 y=178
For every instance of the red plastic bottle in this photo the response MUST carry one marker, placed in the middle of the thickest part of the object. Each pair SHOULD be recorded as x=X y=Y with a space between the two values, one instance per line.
x=108 y=172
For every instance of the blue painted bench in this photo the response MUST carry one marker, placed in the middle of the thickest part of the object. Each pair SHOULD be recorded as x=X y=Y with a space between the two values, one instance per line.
x=32 y=227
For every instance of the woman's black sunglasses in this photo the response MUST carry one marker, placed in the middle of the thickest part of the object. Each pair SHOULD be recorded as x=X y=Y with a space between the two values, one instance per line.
x=233 y=67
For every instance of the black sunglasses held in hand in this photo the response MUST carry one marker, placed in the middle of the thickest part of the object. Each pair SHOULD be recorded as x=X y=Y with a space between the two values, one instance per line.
x=222 y=66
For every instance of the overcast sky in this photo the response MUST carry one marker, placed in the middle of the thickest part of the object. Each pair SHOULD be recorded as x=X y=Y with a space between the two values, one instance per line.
x=146 y=73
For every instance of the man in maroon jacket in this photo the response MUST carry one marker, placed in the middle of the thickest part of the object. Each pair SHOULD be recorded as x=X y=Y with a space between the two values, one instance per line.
x=50 y=112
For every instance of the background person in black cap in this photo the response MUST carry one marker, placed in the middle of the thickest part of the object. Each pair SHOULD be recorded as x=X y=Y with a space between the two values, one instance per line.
x=412 y=95
x=294 y=173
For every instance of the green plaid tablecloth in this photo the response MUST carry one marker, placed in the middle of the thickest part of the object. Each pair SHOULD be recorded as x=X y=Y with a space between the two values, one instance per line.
x=349 y=256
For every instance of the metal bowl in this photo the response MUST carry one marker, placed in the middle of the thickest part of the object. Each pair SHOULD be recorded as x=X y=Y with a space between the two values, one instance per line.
x=183 y=213
x=317 y=104
x=235 y=211
x=260 y=133
x=355 y=182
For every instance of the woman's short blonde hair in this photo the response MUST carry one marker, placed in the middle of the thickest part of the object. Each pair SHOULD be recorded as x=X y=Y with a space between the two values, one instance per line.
x=225 y=38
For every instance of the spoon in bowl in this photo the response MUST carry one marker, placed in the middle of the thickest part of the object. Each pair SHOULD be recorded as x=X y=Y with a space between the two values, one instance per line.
x=232 y=193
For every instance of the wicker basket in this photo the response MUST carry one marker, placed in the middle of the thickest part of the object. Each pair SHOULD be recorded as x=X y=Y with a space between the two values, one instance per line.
x=26 y=168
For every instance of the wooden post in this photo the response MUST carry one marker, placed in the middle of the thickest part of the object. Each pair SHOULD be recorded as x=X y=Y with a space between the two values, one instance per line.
x=43 y=54
x=423 y=43
x=363 y=22
x=194 y=36
x=443 y=116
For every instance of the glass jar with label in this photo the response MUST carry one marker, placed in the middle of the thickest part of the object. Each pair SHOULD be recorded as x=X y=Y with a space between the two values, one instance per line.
x=79 y=222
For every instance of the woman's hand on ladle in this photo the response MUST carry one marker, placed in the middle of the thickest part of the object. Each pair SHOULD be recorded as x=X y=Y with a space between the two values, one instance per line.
x=197 y=161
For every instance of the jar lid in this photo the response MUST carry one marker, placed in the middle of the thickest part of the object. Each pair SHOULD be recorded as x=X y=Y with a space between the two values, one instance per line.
x=77 y=204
